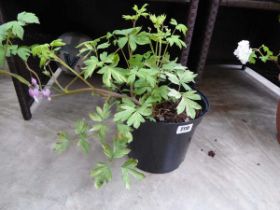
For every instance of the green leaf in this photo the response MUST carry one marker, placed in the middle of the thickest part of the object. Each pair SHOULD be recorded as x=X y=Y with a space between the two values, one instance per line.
x=91 y=65
x=109 y=72
x=182 y=28
x=142 y=38
x=101 y=130
x=175 y=39
x=103 y=46
x=122 y=42
x=84 y=145
x=149 y=75
x=174 y=93
x=188 y=103
x=17 y=29
x=119 y=148
x=129 y=168
x=62 y=143
x=125 y=114
x=23 y=53
x=173 y=22
x=81 y=127
x=159 y=94
x=27 y=18
x=173 y=78
x=102 y=174
x=11 y=50
x=253 y=57
x=135 y=120
x=124 y=132
x=57 y=43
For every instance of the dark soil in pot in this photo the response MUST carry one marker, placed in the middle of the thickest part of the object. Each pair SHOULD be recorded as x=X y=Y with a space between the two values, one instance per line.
x=160 y=147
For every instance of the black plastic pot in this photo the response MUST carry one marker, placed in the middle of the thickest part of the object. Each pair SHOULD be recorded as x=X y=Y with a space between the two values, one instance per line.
x=161 y=147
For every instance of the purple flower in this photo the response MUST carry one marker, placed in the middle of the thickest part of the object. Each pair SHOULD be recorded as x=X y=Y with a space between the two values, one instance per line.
x=46 y=93
x=34 y=81
x=34 y=93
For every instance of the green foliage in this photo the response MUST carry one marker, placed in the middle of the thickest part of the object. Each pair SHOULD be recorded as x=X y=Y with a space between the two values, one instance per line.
x=132 y=114
x=129 y=168
x=102 y=174
x=137 y=71
x=188 y=103
x=62 y=143
x=27 y=18
x=81 y=129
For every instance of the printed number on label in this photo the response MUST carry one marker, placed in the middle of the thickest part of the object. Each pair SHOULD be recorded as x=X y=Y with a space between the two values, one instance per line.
x=184 y=129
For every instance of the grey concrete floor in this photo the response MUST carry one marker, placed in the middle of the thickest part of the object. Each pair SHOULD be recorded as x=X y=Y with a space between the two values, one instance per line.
x=240 y=129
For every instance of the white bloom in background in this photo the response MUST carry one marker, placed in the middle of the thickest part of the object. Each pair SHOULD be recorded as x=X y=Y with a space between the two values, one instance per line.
x=243 y=51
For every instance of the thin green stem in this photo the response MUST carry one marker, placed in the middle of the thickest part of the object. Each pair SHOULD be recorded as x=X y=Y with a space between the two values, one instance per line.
x=72 y=70
x=34 y=73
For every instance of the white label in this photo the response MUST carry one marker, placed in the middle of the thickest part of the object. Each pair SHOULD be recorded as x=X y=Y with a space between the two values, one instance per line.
x=184 y=129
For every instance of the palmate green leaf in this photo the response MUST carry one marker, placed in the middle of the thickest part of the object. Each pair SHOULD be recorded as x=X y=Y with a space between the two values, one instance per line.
x=111 y=72
x=149 y=75
x=84 y=145
x=16 y=28
x=101 y=174
x=131 y=114
x=173 y=78
x=139 y=12
x=11 y=50
x=174 y=93
x=81 y=127
x=43 y=52
x=157 y=20
x=62 y=143
x=188 y=103
x=128 y=107
x=135 y=120
x=27 y=18
x=141 y=87
x=182 y=28
x=119 y=149
x=129 y=168
x=91 y=65
x=101 y=130
x=175 y=39
x=24 y=53
x=253 y=57
x=160 y=93
x=173 y=66
x=124 y=132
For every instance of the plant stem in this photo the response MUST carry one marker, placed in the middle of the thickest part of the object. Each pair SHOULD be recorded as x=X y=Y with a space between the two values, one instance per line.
x=72 y=70
x=99 y=91
x=34 y=73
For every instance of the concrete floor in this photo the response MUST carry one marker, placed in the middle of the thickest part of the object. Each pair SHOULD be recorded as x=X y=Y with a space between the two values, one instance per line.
x=240 y=129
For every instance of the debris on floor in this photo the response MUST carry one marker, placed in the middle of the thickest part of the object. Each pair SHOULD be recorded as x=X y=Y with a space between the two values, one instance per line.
x=211 y=153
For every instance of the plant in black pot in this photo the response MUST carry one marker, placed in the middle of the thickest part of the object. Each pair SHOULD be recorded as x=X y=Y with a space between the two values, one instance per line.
x=148 y=96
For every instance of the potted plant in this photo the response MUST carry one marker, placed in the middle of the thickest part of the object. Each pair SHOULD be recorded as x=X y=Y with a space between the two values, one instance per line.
x=247 y=54
x=148 y=95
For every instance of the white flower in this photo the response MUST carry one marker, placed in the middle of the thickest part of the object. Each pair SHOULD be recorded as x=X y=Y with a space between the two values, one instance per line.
x=243 y=51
